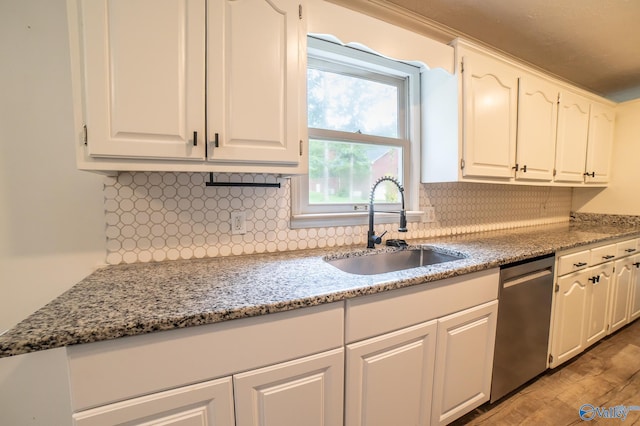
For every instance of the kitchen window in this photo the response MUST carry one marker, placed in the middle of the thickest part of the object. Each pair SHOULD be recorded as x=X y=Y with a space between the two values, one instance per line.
x=363 y=122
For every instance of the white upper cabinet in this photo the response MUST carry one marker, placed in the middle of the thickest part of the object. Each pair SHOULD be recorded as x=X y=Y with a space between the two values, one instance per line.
x=537 y=117
x=144 y=77
x=515 y=125
x=489 y=115
x=255 y=76
x=218 y=82
x=571 y=143
x=599 y=143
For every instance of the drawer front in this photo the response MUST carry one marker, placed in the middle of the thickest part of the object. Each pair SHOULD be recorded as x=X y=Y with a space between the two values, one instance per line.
x=603 y=254
x=573 y=262
x=626 y=248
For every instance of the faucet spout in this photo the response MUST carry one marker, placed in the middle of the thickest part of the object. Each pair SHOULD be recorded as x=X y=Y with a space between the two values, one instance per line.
x=372 y=238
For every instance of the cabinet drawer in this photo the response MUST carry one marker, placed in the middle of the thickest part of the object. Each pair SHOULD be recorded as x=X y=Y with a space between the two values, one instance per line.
x=626 y=248
x=573 y=262
x=603 y=254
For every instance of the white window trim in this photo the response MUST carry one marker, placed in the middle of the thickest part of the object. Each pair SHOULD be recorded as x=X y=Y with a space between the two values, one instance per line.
x=411 y=176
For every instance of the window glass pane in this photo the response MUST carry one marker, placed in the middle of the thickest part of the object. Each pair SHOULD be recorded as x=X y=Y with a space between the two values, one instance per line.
x=343 y=172
x=351 y=104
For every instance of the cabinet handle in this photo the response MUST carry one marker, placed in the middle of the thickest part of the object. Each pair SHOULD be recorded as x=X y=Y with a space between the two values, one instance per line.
x=607 y=257
x=595 y=279
x=637 y=264
x=516 y=168
x=579 y=264
x=630 y=250
x=195 y=138
x=524 y=168
x=592 y=174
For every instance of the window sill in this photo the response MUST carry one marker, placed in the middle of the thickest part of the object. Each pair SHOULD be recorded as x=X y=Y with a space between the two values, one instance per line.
x=349 y=219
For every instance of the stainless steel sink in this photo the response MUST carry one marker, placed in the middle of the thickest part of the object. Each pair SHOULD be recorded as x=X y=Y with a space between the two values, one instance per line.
x=378 y=263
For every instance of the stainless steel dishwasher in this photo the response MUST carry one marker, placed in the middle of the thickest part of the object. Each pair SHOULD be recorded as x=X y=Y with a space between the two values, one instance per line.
x=522 y=333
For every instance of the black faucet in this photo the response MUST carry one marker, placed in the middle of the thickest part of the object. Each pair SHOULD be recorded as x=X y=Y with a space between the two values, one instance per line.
x=372 y=238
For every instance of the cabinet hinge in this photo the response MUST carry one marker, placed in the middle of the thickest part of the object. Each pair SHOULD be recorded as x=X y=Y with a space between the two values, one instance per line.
x=462 y=65
x=550 y=358
x=555 y=172
x=300 y=147
x=462 y=164
x=557 y=288
x=85 y=135
x=558 y=98
x=299 y=11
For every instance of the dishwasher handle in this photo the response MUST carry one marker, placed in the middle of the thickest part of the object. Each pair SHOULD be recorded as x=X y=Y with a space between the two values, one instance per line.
x=526 y=278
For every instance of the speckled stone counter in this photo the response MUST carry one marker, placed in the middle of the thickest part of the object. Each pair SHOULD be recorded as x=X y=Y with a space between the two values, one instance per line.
x=127 y=300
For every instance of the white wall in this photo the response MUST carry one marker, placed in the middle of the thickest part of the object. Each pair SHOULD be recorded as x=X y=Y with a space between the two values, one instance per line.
x=51 y=215
x=621 y=196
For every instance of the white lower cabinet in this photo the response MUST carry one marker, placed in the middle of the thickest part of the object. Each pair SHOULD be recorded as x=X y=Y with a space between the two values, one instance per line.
x=421 y=355
x=620 y=293
x=205 y=404
x=597 y=309
x=593 y=302
x=389 y=378
x=634 y=296
x=306 y=391
x=464 y=360
x=580 y=312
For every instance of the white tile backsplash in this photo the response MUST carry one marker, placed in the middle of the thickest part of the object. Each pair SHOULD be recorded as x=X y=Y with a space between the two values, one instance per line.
x=167 y=216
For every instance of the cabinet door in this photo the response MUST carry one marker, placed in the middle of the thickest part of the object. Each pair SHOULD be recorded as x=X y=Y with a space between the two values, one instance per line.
x=144 y=77
x=570 y=304
x=254 y=81
x=600 y=143
x=537 y=116
x=205 y=404
x=390 y=377
x=597 y=309
x=571 y=141
x=307 y=390
x=464 y=362
x=620 y=294
x=490 y=96
x=634 y=296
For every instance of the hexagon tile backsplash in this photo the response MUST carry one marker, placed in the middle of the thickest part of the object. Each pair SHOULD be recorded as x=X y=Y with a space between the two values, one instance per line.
x=167 y=216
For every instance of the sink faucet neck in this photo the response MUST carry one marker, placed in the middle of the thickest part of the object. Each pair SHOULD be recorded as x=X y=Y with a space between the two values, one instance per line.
x=373 y=239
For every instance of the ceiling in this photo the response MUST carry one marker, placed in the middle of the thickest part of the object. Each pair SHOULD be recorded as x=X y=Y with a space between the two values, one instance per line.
x=594 y=44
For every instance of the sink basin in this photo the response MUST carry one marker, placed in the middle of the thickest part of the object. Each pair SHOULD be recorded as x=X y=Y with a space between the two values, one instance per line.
x=378 y=263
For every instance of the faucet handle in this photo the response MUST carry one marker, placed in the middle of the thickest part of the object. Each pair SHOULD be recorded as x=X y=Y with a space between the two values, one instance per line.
x=377 y=239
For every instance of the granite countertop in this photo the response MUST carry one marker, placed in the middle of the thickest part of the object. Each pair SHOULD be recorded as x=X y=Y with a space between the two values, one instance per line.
x=127 y=300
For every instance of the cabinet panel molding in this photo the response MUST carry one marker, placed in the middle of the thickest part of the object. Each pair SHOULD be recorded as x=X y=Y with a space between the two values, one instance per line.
x=389 y=378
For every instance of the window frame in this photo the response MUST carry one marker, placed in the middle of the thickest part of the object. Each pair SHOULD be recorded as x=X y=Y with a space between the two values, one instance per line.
x=326 y=53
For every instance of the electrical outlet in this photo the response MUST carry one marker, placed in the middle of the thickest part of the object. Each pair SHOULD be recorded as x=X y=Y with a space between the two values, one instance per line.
x=429 y=214
x=238 y=222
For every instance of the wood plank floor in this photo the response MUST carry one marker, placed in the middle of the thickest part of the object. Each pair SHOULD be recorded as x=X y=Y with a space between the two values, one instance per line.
x=606 y=375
